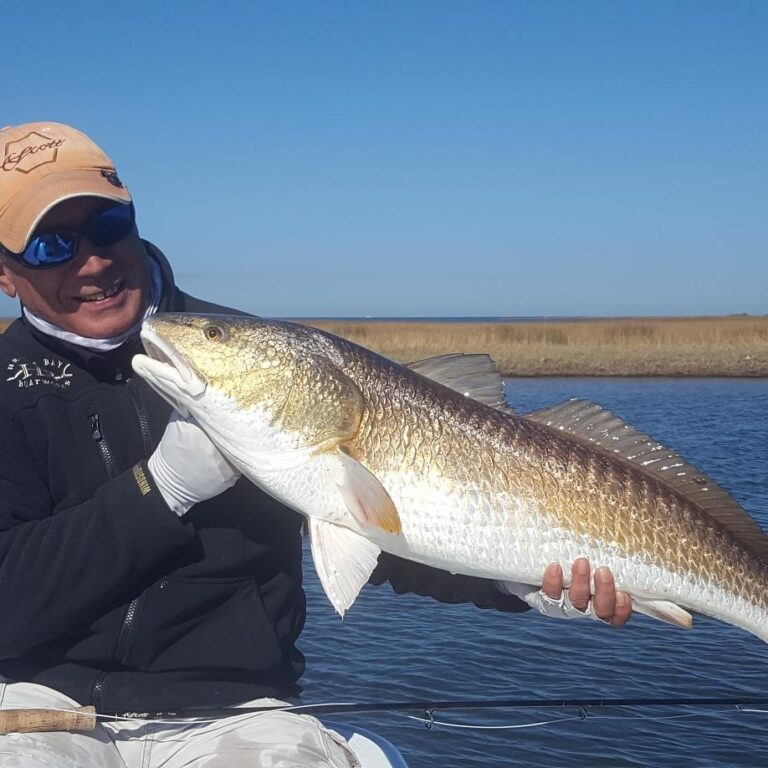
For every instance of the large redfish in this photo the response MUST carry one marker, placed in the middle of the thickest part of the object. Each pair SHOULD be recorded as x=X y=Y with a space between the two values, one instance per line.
x=426 y=462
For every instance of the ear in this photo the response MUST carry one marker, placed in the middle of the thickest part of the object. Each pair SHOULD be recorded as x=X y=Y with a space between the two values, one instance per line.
x=7 y=285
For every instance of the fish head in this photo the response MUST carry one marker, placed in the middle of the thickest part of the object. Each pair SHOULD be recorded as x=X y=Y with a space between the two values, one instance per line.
x=189 y=356
x=250 y=380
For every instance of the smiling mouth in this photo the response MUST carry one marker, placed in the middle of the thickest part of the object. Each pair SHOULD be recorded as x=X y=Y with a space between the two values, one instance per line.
x=113 y=290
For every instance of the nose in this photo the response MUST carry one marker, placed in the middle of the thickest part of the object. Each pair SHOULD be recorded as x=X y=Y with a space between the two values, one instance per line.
x=91 y=258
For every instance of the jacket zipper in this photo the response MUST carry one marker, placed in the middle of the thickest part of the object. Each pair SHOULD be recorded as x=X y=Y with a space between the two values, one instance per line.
x=98 y=437
x=141 y=414
x=130 y=613
x=125 y=629
x=146 y=440
x=97 y=687
x=122 y=639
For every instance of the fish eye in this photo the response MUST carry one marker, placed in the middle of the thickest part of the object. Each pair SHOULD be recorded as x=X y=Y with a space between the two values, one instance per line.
x=215 y=333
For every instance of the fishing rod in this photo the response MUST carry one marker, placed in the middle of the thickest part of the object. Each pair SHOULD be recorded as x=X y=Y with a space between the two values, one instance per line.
x=428 y=705
x=85 y=718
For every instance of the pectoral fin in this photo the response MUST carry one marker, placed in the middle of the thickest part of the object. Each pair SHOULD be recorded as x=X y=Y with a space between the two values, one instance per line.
x=344 y=561
x=365 y=497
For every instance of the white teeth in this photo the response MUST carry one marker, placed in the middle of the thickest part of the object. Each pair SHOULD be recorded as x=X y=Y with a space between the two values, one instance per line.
x=104 y=294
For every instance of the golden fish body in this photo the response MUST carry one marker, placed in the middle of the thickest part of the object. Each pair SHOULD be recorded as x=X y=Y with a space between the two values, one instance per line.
x=380 y=456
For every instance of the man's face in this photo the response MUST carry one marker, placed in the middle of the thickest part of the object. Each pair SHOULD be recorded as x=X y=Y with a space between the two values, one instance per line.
x=100 y=293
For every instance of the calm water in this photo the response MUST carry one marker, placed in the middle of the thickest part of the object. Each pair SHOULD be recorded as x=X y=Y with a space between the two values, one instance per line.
x=393 y=648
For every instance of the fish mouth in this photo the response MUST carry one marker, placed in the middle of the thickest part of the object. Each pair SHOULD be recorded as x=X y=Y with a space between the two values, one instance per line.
x=168 y=371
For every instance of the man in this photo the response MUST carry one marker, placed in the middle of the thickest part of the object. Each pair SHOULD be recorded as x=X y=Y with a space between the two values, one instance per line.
x=138 y=571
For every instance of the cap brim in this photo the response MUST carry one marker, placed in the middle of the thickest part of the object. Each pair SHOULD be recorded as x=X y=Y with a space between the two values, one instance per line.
x=25 y=211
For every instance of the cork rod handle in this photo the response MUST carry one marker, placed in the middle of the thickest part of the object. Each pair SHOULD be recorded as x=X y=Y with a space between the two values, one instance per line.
x=34 y=720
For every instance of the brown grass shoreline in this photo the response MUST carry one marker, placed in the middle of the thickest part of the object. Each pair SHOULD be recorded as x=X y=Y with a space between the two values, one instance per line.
x=732 y=346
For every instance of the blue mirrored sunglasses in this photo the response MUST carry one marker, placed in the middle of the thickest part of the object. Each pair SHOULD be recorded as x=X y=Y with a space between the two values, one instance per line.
x=103 y=229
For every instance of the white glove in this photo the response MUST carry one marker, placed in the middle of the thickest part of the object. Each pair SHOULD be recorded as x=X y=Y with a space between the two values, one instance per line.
x=187 y=467
x=559 y=609
x=543 y=603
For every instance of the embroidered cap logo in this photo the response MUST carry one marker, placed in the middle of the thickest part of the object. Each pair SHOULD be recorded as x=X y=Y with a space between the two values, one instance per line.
x=34 y=150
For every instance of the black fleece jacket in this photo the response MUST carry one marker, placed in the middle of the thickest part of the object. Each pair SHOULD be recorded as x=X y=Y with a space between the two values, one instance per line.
x=105 y=593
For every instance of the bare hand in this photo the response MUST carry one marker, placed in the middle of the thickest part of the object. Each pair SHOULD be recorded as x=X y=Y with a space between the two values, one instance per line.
x=610 y=604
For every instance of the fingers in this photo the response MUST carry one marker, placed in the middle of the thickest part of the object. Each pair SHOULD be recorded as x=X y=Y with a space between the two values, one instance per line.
x=552 y=583
x=608 y=603
x=580 y=590
x=604 y=602
x=623 y=609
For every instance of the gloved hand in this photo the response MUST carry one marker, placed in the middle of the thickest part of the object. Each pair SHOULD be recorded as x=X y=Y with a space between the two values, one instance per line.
x=187 y=467
x=560 y=608
x=608 y=604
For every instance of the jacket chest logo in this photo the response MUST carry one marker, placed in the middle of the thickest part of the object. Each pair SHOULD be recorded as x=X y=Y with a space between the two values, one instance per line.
x=48 y=372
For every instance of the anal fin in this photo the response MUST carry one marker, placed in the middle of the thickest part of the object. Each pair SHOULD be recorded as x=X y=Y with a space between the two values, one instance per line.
x=344 y=561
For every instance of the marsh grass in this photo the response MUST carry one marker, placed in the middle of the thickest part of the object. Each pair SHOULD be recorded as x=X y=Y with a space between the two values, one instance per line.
x=706 y=346
x=702 y=346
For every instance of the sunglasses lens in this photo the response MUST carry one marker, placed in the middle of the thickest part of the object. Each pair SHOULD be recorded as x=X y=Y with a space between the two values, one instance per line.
x=110 y=226
x=105 y=229
x=46 y=250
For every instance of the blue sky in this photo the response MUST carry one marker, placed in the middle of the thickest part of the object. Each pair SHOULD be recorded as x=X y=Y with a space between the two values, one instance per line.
x=425 y=158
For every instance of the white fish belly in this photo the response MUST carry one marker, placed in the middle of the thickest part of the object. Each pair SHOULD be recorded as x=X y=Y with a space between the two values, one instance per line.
x=506 y=539
x=465 y=531
x=275 y=460
x=458 y=529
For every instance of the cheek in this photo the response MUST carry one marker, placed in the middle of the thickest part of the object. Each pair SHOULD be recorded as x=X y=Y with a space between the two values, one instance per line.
x=42 y=292
x=131 y=255
x=50 y=283
x=131 y=247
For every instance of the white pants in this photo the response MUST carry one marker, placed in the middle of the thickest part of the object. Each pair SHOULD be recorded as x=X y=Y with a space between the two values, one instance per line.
x=256 y=740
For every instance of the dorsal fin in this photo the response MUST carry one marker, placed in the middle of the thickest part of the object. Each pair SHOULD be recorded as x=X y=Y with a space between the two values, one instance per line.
x=474 y=375
x=609 y=433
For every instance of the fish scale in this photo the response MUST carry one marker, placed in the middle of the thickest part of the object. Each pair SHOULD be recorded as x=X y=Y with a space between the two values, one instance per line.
x=378 y=455
x=606 y=501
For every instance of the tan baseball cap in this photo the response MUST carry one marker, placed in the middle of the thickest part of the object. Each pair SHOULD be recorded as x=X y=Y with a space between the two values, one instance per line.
x=42 y=165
